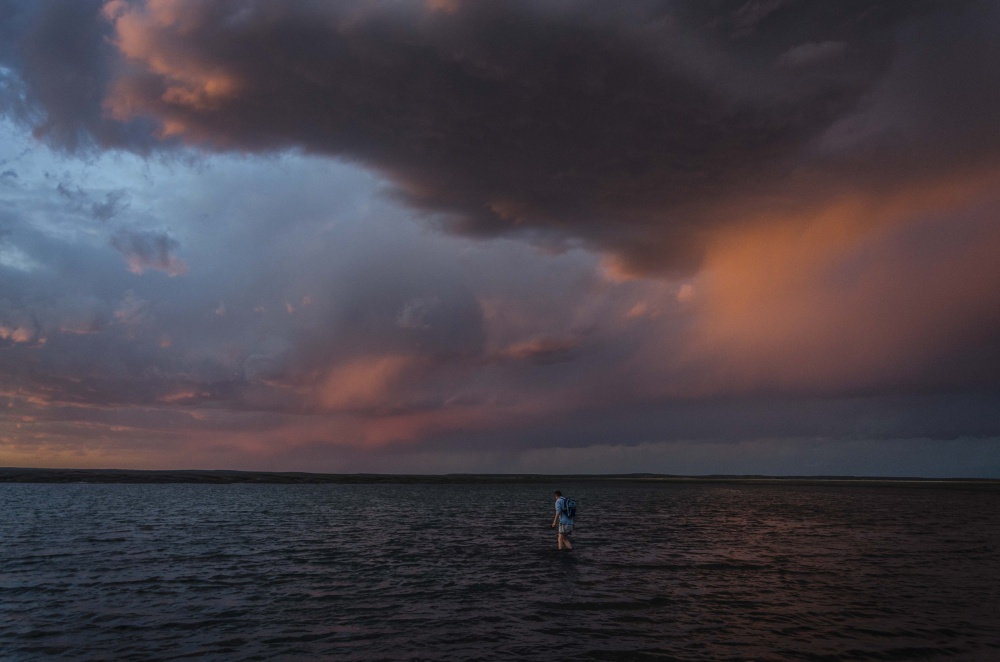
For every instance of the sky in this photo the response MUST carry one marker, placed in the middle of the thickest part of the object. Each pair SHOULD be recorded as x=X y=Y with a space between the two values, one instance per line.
x=435 y=236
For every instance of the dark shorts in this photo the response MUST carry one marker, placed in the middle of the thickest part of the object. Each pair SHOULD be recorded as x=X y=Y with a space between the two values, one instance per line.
x=565 y=529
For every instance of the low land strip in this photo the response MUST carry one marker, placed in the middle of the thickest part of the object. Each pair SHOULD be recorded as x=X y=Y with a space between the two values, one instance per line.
x=222 y=477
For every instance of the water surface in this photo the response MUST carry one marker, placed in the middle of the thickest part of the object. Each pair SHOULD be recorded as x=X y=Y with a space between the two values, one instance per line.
x=463 y=572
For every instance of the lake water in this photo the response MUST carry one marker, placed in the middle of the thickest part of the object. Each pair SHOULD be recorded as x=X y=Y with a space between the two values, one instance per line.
x=470 y=572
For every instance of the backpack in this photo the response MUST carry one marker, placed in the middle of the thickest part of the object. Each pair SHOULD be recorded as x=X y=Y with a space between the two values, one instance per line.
x=569 y=507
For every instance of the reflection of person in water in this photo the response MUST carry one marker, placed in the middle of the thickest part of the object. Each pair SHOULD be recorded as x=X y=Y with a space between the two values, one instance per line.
x=564 y=521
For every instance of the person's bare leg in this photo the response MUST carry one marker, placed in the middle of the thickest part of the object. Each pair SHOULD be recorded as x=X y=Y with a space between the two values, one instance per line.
x=565 y=541
x=559 y=541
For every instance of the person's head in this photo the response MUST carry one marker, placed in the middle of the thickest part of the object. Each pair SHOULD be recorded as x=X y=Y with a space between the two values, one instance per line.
x=557 y=494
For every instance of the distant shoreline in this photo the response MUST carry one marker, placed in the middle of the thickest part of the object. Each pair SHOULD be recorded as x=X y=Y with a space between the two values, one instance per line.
x=223 y=477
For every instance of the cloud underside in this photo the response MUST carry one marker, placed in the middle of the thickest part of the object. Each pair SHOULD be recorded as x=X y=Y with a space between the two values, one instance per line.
x=637 y=130
x=777 y=203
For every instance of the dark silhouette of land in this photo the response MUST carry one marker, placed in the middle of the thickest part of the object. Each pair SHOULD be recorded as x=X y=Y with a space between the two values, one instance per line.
x=222 y=477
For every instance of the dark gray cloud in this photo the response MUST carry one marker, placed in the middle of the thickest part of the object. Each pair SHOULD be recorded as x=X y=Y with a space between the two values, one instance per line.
x=629 y=126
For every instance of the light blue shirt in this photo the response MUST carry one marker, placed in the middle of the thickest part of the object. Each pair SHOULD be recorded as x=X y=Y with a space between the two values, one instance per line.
x=561 y=509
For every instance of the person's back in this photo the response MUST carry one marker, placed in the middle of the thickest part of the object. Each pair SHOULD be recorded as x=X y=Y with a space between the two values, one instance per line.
x=562 y=508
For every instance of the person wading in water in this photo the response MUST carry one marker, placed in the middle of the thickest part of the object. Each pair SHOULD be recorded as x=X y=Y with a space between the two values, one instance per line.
x=564 y=521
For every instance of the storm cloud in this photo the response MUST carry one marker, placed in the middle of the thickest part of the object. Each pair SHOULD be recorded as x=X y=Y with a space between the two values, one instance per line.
x=630 y=127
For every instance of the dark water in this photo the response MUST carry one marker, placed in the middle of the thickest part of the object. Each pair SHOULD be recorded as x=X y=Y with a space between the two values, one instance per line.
x=459 y=572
